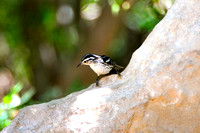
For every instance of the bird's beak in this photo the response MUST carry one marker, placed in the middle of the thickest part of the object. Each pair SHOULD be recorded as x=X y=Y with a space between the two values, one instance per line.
x=79 y=64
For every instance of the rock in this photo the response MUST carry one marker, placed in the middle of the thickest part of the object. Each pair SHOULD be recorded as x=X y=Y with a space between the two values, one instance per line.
x=159 y=91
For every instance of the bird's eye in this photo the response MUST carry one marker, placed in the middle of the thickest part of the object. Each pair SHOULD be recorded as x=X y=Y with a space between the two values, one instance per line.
x=84 y=61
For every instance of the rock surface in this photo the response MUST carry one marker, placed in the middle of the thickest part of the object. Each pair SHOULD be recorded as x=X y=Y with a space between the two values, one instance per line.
x=159 y=91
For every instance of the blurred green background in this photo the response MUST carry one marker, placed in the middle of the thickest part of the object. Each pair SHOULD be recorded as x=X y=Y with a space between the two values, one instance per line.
x=42 y=41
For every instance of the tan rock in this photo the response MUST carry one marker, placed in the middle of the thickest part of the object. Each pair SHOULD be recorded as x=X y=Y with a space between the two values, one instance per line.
x=159 y=91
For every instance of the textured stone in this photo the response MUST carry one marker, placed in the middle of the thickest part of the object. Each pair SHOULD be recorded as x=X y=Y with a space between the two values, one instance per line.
x=159 y=91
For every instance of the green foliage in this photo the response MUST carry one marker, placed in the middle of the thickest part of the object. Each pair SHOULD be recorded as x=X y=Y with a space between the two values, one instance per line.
x=142 y=16
x=115 y=6
x=84 y=3
x=118 y=47
x=12 y=102
x=76 y=85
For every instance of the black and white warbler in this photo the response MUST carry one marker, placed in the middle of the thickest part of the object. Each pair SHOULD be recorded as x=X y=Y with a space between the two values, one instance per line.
x=102 y=65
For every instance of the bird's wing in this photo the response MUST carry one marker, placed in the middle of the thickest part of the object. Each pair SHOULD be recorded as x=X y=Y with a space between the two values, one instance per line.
x=107 y=60
x=110 y=61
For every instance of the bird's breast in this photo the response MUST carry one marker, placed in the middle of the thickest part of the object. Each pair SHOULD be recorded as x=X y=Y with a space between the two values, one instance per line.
x=100 y=69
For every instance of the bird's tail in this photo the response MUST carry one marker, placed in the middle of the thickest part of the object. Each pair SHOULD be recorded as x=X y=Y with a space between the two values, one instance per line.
x=117 y=67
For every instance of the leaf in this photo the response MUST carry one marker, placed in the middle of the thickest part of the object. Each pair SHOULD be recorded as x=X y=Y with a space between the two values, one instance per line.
x=7 y=99
x=16 y=88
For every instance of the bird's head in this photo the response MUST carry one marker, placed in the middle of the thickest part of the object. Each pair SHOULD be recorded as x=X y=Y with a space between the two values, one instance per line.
x=87 y=59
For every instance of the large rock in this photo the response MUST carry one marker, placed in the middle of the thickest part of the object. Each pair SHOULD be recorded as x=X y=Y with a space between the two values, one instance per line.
x=159 y=91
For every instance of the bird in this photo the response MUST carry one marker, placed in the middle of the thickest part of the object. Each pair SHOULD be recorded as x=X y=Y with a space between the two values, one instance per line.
x=102 y=65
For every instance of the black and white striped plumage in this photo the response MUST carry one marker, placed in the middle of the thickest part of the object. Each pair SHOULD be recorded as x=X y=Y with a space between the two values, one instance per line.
x=102 y=65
